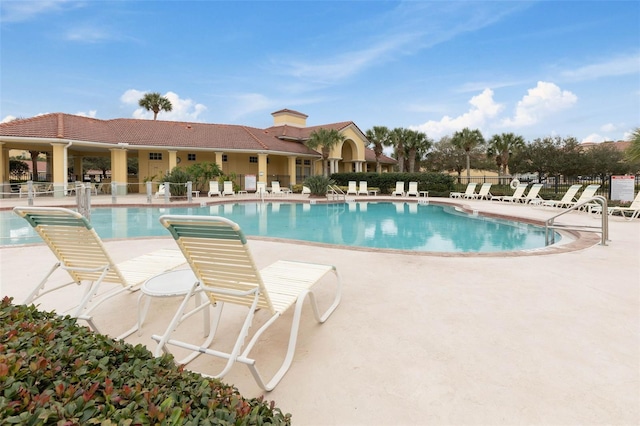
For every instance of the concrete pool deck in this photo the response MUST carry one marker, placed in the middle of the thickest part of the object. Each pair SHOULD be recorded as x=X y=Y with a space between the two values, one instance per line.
x=551 y=338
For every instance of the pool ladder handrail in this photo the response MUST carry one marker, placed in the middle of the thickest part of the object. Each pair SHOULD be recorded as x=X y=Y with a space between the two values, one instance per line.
x=336 y=193
x=603 y=229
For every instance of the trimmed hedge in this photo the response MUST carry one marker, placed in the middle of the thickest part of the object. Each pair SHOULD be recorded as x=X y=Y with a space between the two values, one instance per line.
x=52 y=371
x=438 y=184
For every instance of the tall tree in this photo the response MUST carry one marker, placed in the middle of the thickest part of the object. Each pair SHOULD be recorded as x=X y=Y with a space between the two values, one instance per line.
x=571 y=162
x=501 y=147
x=445 y=157
x=34 y=164
x=467 y=139
x=326 y=140
x=604 y=160
x=541 y=157
x=378 y=137
x=416 y=145
x=155 y=102
x=633 y=152
x=397 y=138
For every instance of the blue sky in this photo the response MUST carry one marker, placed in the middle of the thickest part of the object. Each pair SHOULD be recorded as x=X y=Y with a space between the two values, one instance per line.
x=535 y=68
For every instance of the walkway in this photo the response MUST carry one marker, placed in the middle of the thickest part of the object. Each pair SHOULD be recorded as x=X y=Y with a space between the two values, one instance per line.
x=437 y=340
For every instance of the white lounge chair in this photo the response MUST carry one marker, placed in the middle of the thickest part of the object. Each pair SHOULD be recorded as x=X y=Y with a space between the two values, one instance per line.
x=217 y=251
x=483 y=193
x=633 y=209
x=399 y=189
x=532 y=196
x=468 y=193
x=214 y=188
x=568 y=198
x=352 y=188
x=161 y=191
x=276 y=189
x=362 y=188
x=588 y=193
x=227 y=188
x=518 y=194
x=306 y=190
x=413 y=189
x=24 y=190
x=261 y=189
x=80 y=251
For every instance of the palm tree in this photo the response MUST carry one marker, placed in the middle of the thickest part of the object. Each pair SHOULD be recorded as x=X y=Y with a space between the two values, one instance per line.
x=378 y=137
x=397 y=137
x=156 y=103
x=467 y=139
x=633 y=152
x=502 y=146
x=416 y=145
x=326 y=139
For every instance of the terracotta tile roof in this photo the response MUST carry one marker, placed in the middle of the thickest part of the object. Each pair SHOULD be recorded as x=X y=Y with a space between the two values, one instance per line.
x=172 y=134
x=619 y=145
x=289 y=111
x=370 y=157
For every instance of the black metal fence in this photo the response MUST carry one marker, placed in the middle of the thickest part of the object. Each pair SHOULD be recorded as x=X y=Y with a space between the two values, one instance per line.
x=553 y=187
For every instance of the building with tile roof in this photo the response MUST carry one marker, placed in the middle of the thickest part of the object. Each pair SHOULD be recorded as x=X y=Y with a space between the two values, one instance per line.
x=274 y=153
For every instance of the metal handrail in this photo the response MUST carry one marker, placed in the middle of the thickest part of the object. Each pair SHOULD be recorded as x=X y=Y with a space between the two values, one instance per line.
x=604 y=223
x=337 y=192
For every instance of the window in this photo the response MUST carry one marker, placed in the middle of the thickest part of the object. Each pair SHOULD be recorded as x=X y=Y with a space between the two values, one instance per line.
x=155 y=156
x=224 y=158
x=253 y=159
x=191 y=157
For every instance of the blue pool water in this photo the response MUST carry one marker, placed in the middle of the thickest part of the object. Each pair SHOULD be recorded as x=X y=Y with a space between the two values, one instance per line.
x=385 y=225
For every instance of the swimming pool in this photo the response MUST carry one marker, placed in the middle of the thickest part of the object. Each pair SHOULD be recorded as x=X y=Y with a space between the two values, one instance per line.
x=377 y=225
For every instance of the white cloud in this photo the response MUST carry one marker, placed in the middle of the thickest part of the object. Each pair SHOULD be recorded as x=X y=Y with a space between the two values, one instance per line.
x=131 y=96
x=627 y=136
x=248 y=103
x=20 y=11
x=594 y=137
x=609 y=127
x=92 y=113
x=88 y=34
x=182 y=109
x=483 y=107
x=544 y=99
x=8 y=118
x=617 y=66
x=408 y=28
x=329 y=70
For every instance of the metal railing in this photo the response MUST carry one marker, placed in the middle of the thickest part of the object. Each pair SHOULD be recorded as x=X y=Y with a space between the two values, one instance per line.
x=603 y=229
x=335 y=193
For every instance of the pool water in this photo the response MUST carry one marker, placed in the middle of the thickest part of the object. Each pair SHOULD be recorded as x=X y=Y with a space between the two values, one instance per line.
x=384 y=225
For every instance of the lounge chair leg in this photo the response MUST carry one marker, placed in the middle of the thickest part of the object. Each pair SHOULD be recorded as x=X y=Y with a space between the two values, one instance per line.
x=36 y=291
x=177 y=318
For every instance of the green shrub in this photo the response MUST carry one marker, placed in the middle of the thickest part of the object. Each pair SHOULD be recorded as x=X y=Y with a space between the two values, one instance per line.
x=178 y=178
x=53 y=371
x=318 y=185
x=435 y=183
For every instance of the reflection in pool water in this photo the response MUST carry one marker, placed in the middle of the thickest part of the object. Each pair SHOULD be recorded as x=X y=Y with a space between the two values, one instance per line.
x=385 y=225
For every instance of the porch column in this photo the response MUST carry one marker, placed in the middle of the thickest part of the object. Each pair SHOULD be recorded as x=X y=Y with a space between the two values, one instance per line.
x=59 y=174
x=119 y=169
x=49 y=170
x=77 y=167
x=4 y=172
x=173 y=160
x=219 y=159
x=292 y=169
x=333 y=165
x=262 y=167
